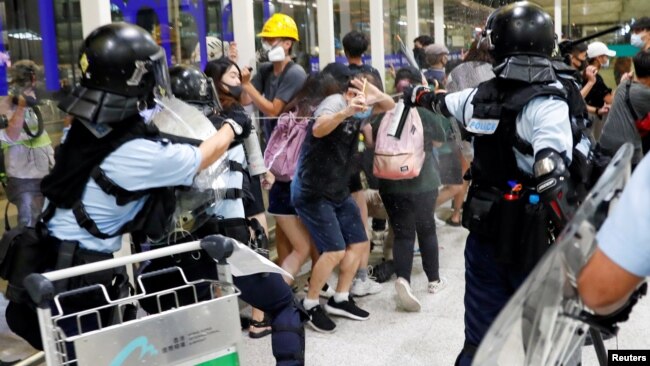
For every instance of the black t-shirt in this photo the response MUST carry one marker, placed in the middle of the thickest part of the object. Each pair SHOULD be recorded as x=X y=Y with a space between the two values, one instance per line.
x=326 y=163
x=596 y=96
x=357 y=69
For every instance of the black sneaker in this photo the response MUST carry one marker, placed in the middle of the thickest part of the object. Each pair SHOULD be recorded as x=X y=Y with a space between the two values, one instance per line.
x=383 y=271
x=319 y=321
x=347 y=309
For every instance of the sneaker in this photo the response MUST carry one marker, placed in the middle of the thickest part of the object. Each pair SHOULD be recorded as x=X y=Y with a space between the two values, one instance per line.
x=439 y=223
x=346 y=309
x=363 y=288
x=405 y=298
x=326 y=292
x=319 y=321
x=383 y=271
x=437 y=286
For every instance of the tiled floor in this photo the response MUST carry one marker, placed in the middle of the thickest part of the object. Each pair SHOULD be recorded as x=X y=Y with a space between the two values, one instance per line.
x=431 y=337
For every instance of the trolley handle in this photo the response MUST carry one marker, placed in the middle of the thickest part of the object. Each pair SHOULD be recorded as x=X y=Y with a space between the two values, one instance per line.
x=41 y=290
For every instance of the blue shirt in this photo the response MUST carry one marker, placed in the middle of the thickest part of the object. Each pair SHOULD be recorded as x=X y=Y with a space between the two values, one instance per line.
x=543 y=122
x=624 y=237
x=136 y=165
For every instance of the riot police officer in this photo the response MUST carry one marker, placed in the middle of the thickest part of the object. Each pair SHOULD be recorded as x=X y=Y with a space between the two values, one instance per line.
x=113 y=170
x=523 y=147
x=267 y=292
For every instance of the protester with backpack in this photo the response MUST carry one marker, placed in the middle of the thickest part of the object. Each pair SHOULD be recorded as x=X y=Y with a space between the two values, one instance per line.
x=408 y=188
x=281 y=158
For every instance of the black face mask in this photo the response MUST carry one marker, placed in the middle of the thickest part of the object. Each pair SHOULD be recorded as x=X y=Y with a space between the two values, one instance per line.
x=235 y=91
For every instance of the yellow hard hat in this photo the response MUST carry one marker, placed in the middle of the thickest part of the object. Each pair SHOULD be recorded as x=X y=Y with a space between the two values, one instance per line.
x=280 y=26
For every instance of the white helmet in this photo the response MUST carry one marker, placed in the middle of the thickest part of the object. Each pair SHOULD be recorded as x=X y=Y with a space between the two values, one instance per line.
x=215 y=47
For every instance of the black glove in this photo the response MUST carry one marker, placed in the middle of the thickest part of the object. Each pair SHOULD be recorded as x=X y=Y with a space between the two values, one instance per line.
x=237 y=115
x=413 y=94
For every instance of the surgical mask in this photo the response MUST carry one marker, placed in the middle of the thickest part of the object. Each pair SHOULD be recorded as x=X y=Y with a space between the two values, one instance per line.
x=276 y=54
x=636 y=40
x=234 y=90
x=363 y=115
x=148 y=114
x=605 y=65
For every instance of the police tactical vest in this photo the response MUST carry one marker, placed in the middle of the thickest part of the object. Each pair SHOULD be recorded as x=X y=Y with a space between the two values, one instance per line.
x=151 y=221
x=499 y=99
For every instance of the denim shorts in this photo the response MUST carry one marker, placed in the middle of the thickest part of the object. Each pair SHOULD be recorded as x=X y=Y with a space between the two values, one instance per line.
x=333 y=226
x=280 y=199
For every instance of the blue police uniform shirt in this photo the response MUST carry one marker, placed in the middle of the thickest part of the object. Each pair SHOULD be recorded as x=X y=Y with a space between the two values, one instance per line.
x=228 y=208
x=136 y=165
x=623 y=237
x=543 y=122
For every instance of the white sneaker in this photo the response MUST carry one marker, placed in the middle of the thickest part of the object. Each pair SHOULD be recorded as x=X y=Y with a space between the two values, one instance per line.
x=363 y=288
x=437 y=286
x=405 y=298
x=439 y=223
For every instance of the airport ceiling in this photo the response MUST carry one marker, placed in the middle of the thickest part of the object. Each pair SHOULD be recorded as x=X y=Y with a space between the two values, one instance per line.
x=586 y=11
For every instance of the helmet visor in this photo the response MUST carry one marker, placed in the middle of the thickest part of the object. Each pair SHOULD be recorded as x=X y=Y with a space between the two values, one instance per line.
x=158 y=64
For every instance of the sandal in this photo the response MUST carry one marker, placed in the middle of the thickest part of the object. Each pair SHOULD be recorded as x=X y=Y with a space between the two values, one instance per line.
x=451 y=222
x=265 y=325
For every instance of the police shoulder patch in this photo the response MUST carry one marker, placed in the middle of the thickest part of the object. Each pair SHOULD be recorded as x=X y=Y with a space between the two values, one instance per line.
x=482 y=126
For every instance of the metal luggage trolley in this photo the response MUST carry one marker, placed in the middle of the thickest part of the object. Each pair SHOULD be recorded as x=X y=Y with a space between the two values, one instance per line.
x=200 y=331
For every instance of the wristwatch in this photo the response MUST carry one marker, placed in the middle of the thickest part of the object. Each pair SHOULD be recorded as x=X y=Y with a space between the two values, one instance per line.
x=236 y=128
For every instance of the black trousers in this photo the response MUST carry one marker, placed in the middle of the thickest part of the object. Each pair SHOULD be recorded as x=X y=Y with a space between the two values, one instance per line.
x=411 y=214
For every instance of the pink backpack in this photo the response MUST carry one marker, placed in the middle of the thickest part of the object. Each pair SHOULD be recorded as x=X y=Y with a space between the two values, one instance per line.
x=283 y=149
x=401 y=158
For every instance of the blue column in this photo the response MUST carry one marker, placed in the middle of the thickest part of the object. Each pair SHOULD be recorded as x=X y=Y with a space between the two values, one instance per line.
x=225 y=23
x=3 y=67
x=130 y=12
x=50 y=53
x=266 y=12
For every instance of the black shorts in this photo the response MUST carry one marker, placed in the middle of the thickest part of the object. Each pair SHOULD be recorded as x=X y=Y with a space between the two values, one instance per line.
x=253 y=200
x=280 y=199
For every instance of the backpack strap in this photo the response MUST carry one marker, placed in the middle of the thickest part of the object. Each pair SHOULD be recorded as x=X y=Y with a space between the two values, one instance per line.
x=122 y=196
x=629 y=102
x=267 y=70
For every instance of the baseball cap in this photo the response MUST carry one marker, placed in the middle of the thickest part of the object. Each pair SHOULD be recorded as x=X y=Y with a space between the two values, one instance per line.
x=596 y=49
x=641 y=23
x=436 y=49
x=340 y=72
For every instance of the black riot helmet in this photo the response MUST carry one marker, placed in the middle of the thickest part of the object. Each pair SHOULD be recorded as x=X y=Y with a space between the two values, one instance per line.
x=192 y=86
x=520 y=28
x=123 y=59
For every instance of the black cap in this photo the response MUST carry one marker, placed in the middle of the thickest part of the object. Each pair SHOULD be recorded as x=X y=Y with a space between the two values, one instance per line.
x=340 y=72
x=641 y=23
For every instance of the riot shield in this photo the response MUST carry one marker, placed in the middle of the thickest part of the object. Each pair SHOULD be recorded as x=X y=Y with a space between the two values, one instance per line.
x=541 y=325
x=193 y=205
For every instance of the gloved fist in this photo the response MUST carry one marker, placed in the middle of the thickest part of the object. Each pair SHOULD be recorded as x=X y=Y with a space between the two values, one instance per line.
x=412 y=93
x=241 y=118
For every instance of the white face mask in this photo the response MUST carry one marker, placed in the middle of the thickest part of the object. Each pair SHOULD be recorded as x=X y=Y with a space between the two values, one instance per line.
x=636 y=40
x=605 y=65
x=276 y=54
